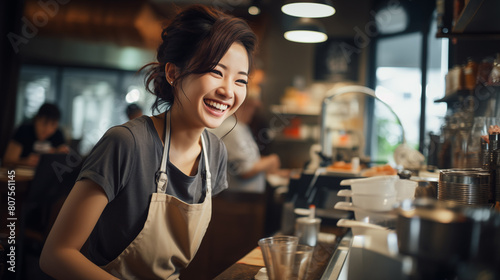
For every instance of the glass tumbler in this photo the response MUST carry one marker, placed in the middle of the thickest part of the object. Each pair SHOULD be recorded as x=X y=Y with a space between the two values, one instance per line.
x=265 y=247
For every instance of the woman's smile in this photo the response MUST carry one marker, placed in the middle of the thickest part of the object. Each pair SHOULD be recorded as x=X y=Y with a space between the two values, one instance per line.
x=216 y=105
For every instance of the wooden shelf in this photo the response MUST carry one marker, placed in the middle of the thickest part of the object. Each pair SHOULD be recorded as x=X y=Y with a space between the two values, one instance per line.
x=479 y=20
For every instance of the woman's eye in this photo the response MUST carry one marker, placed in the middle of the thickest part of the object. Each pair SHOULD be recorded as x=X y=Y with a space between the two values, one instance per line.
x=242 y=81
x=217 y=72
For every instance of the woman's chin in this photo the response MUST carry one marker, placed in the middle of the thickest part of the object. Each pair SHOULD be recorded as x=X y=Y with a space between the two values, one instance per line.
x=212 y=125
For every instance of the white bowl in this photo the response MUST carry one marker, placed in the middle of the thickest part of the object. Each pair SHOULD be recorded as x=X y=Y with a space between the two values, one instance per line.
x=371 y=202
x=405 y=189
x=374 y=202
x=378 y=185
x=381 y=218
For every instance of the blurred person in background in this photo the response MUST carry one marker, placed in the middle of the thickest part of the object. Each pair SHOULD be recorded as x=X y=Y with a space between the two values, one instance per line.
x=41 y=135
x=247 y=168
x=133 y=111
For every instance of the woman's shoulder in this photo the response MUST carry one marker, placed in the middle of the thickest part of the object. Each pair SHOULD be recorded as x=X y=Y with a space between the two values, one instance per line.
x=214 y=143
x=214 y=139
x=133 y=127
x=127 y=132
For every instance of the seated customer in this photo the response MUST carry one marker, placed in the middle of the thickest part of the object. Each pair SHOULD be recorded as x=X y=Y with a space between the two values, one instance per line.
x=40 y=136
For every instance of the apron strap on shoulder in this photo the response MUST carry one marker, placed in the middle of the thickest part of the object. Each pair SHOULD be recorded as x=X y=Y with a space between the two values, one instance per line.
x=161 y=175
x=207 y=166
x=161 y=181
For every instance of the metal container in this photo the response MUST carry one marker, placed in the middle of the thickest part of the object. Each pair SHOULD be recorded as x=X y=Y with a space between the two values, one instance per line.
x=307 y=230
x=485 y=241
x=465 y=186
x=446 y=240
x=433 y=230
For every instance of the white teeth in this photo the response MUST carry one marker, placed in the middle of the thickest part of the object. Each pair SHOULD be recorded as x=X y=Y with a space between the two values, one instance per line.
x=219 y=106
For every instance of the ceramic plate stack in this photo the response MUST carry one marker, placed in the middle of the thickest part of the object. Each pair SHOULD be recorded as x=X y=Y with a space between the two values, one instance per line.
x=373 y=200
x=464 y=186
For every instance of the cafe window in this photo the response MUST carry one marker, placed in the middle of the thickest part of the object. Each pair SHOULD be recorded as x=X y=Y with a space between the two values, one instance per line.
x=36 y=86
x=398 y=77
x=91 y=100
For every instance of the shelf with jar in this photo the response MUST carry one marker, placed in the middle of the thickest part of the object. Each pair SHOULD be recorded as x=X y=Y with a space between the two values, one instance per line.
x=477 y=81
x=299 y=111
x=468 y=19
x=299 y=125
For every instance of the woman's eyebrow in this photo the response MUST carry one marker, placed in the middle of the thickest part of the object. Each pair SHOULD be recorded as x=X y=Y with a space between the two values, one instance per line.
x=240 y=72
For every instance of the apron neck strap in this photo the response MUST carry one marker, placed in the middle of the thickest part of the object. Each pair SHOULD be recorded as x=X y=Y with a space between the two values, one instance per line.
x=207 y=166
x=161 y=175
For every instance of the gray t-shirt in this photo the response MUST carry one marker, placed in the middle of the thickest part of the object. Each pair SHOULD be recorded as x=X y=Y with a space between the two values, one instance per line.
x=124 y=163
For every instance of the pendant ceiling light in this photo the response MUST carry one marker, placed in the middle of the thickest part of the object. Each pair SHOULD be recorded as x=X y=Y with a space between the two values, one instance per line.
x=306 y=30
x=308 y=9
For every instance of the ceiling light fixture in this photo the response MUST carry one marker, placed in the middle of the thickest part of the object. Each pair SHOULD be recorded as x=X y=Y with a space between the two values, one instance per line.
x=306 y=30
x=308 y=9
x=253 y=10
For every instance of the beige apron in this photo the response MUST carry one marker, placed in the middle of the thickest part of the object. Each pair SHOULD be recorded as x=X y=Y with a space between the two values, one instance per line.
x=172 y=233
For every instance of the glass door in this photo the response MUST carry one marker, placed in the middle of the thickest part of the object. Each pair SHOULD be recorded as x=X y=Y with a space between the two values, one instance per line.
x=398 y=82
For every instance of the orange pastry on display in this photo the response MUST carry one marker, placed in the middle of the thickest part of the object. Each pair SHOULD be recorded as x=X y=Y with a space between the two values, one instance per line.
x=379 y=170
x=342 y=166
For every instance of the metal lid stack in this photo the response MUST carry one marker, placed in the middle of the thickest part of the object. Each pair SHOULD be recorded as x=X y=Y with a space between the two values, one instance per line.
x=465 y=186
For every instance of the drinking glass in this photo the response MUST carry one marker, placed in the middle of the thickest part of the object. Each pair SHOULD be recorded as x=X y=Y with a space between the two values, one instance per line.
x=265 y=247
x=291 y=261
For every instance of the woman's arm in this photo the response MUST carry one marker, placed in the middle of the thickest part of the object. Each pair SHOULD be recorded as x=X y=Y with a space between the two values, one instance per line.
x=61 y=257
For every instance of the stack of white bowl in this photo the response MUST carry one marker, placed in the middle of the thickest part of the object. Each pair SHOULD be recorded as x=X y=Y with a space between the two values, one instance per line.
x=378 y=193
x=372 y=201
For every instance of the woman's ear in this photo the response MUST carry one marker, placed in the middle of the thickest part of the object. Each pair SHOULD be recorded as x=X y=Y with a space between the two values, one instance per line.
x=170 y=72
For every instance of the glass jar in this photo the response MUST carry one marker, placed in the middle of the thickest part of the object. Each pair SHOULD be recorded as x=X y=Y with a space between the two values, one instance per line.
x=484 y=70
x=494 y=78
x=476 y=143
x=470 y=73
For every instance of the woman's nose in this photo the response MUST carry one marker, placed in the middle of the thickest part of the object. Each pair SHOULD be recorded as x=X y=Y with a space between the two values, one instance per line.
x=226 y=89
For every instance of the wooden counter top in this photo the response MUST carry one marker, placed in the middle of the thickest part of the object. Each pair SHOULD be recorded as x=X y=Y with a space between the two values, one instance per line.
x=320 y=259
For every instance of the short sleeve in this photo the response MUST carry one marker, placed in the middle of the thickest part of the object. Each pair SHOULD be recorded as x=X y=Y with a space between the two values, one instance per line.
x=220 y=182
x=111 y=161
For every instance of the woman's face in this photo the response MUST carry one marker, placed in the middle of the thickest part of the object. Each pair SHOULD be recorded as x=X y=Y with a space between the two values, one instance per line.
x=214 y=96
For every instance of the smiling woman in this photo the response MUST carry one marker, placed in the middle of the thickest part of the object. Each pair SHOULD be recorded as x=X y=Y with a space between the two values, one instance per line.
x=215 y=95
x=142 y=201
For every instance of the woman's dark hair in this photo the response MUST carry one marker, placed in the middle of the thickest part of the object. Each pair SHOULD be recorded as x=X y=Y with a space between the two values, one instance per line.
x=49 y=111
x=195 y=41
